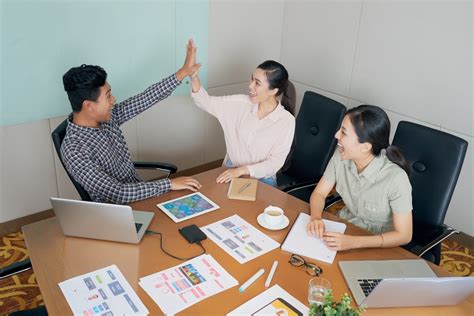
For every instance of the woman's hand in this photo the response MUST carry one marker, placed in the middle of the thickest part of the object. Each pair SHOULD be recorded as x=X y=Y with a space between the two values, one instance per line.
x=316 y=227
x=229 y=174
x=190 y=67
x=338 y=241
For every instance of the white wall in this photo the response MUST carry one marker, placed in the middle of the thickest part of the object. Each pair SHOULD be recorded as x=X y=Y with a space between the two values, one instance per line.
x=414 y=59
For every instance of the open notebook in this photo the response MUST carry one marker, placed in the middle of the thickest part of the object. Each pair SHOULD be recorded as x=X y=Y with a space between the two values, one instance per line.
x=299 y=242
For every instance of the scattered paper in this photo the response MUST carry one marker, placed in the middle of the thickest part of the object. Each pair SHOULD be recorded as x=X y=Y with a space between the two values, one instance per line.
x=239 y=239
x=274 y=301
x=301 y=243
x=179 y=287
x=103 y=292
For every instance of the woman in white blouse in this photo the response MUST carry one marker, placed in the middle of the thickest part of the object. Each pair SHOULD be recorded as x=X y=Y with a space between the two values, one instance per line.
x=258 y=128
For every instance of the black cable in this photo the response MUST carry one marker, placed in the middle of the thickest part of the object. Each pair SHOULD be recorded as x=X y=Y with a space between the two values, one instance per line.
x=173 y=256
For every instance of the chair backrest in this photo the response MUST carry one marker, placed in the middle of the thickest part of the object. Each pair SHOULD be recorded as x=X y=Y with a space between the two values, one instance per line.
x=290 y=98
x=58 y=136
x=436 y=160
x=318 y=120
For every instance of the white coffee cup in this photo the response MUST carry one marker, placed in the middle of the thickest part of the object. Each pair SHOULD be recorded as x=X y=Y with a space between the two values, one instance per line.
x=273 y=215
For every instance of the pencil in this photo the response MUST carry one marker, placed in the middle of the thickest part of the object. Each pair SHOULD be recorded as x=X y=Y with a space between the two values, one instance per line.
x=245 y=186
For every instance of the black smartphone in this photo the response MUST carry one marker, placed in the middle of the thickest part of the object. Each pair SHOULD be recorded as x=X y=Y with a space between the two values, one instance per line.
x=192 y=234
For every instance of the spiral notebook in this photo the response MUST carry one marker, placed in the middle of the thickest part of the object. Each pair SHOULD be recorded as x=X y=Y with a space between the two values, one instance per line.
x=243 y=189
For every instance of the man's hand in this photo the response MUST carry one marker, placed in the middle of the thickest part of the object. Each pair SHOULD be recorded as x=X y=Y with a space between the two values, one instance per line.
x=183 y=183
x=190 y=67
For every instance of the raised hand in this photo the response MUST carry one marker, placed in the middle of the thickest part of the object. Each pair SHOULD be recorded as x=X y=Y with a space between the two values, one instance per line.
x=190 y=67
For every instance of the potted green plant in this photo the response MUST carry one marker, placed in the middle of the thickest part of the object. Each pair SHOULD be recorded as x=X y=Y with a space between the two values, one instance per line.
x=333 y=308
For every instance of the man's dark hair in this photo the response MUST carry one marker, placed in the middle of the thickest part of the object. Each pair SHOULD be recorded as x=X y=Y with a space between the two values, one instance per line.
x=83 y=83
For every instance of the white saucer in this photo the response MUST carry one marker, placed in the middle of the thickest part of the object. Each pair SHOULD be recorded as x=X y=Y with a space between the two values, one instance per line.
x=261 y=221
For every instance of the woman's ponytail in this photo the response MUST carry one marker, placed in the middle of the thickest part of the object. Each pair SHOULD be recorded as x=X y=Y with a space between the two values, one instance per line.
x=396 y=156
x=288 y=98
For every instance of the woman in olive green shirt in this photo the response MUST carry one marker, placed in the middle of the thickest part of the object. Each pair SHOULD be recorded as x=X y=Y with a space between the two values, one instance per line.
x=372 y=178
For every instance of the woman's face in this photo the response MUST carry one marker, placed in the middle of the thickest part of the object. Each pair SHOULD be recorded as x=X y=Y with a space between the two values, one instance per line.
x=259 y=90
x=348 y=142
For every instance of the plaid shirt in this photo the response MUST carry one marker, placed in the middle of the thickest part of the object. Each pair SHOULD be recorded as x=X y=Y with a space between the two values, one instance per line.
x=99 y=159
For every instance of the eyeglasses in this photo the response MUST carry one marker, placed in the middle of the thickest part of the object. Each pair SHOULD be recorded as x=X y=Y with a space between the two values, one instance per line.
x=311 y=268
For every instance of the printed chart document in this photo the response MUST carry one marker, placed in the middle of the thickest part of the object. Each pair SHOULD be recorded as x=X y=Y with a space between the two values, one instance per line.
x=188 y=206
x=239 y=239
x=299 y=242
x=102 y=292
x=274 y=301
x=186 y=284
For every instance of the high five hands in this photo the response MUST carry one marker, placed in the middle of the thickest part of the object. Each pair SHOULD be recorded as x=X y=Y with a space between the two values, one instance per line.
x=190 y=67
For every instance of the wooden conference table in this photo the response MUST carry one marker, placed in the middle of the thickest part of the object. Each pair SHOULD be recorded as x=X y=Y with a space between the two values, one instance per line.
x=56 y=258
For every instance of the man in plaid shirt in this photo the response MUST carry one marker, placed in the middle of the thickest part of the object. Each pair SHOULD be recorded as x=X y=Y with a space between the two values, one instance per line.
x=94 y=150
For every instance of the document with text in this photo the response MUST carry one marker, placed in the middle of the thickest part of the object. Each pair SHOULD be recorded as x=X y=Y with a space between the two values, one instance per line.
x=239 y=239
x=102 y=292
x=186 y=284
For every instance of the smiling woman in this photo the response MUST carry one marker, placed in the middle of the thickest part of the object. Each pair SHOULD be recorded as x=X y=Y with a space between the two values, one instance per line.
x=258 y=127
x=372 y=178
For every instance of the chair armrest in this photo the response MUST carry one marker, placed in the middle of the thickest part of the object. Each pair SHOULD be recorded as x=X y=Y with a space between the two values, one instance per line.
x=298 y=186
x=15 y=268
x=331 y=200
x=426 y=237
x=163 y=166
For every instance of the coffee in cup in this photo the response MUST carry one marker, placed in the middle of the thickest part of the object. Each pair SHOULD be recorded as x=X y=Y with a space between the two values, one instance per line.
x=273 y=215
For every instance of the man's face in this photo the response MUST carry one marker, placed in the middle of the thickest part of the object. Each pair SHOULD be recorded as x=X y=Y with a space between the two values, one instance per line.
x=102 y=108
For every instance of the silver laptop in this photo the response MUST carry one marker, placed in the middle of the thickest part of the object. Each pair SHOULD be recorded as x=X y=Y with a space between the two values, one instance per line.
x=100 y=220
x=402 y=283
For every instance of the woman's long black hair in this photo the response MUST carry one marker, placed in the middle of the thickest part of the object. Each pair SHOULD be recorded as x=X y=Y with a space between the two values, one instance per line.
x=372 y=125
x=277 y=77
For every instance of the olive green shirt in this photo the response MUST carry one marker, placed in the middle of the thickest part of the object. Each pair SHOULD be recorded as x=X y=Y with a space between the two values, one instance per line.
x=370 y=197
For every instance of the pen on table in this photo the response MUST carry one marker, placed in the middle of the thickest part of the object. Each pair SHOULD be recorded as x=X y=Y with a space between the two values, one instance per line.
x=252 y=279
x=272 y=272
x=245 y=186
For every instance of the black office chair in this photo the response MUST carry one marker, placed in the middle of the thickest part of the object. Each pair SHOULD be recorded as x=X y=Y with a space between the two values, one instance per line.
x=317 y=123
x=58 y=136
x=436 y=160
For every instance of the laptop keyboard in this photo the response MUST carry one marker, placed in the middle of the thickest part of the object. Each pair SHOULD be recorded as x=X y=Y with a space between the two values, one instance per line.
x=368 y=285
x=138 y=226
